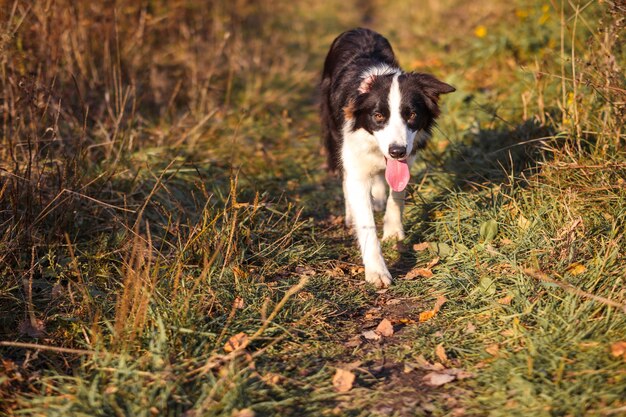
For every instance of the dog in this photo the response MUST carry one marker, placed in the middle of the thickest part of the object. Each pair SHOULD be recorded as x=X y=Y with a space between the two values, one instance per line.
x=375 y=117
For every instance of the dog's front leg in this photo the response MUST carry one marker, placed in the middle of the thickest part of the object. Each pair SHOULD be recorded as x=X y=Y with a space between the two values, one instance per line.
x=358 y=197
x=392 y=222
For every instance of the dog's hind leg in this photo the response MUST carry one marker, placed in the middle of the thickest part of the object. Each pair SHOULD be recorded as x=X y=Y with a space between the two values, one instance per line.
x=379 y=192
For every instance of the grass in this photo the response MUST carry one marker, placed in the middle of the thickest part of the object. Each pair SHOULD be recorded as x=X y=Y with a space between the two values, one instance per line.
x=162 y=191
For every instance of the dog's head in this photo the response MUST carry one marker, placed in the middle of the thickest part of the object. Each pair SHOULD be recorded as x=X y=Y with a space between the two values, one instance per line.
x=394 y=107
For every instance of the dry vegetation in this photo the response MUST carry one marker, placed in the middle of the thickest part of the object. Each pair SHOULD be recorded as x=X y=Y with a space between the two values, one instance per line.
x=169 y=241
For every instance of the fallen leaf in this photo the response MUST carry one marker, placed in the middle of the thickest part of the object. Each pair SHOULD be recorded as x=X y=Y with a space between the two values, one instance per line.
x=429 y=314
x=433 y=262
x=436 y=379
x=493 y=349
x=470 y=328
x=426 y=315
x=419 y=272
x=506 y=241
x=440 y=302
x=354 y=341
x=505 y=300
x=343 y=380
x=238 y=303
x=372 y=313
x=459 y=373
x=441 y=353
x=576 y=268
x=246 y=412
x=272 y=378
x=619 y=349
x=371 y=335
x=523 y=222
x=440 y=249
x=487 y=286
x=236 y=342
x=385 y=328
x=393 y=301
x=488 y=230
x=508 y=333
x=404 y=320
x=419 y=247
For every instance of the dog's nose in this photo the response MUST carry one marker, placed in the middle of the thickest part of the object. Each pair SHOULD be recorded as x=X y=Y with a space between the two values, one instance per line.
x=396 y=151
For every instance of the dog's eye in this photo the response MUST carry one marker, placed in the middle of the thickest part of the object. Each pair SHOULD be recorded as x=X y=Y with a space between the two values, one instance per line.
x=379 y=117
x=412 y=116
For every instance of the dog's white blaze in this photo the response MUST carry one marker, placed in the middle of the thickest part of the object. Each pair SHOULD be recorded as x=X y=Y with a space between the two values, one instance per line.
x=396 y=132
x=371 y=73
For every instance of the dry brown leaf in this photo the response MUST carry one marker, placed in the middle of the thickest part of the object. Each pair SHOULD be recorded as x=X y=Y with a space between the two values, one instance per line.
x=354 y=341
x=619 y=349
x=458 y=412
x=385 y=328
x=236 y=342
x=440 y=302
x=246 y=412
x=426 y=315
x=523 y=222
x=508 y=333
x=433 y=262
x=238 y=303
x=272 y=378
x=493 y=349
x=419 y=247
x=436 y=379
x=343 y=380
x=372 y=313
x=459 y=373
x=371 y=335
x=470 y=328
x=441 y=353
x=576 y=268
x=505 y=300
x=419 y=272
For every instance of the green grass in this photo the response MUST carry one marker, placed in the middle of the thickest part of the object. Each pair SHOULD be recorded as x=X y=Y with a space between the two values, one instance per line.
x=162 y=190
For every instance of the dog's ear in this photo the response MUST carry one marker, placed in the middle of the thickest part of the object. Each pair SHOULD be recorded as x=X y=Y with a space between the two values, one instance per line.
x=431 y=88
x=366 y=84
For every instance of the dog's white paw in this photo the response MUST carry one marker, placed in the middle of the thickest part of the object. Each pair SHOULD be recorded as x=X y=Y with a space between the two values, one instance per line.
x=380 y=279
x=393 y=233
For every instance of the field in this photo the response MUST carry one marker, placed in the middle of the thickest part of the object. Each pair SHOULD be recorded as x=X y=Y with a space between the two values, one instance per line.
x=171 y=244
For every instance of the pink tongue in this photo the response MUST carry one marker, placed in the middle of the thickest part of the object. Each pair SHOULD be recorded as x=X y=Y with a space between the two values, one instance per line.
x=397 y=174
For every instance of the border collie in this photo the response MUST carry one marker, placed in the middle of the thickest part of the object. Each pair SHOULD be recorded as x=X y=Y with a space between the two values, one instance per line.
x=374 y=119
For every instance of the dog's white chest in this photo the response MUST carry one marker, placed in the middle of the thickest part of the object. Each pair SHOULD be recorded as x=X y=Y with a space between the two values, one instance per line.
x=361 y=154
